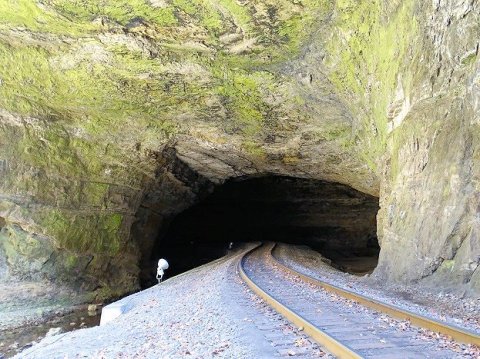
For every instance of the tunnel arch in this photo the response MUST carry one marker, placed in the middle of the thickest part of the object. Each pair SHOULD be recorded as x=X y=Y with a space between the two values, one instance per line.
x=191 y=173
x=332 y=218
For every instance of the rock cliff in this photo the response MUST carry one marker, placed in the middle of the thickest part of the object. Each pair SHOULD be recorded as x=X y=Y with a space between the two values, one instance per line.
x=115 y=116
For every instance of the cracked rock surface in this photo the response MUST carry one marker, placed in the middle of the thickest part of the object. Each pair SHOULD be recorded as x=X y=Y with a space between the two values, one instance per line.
x=117 y=116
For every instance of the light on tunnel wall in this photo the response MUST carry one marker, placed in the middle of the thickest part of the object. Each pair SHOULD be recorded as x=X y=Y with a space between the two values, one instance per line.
x=162 y=266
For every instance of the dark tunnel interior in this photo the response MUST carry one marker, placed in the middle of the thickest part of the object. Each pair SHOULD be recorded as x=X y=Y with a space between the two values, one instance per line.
x=331 y=218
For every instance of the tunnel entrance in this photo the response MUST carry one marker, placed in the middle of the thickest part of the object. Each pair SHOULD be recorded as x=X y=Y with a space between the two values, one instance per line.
x=333 y=219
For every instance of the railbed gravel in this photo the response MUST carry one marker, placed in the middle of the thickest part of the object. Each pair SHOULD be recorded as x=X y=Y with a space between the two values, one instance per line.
x=207 y=313
x=203 y=313
x=435 y=346
x=448 y=307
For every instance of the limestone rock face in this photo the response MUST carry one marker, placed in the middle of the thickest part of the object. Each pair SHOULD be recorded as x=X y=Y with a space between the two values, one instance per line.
x=429 y=218
x=117 y=116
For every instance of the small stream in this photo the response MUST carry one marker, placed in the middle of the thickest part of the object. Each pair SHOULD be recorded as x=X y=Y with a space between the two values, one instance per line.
x=16 y=340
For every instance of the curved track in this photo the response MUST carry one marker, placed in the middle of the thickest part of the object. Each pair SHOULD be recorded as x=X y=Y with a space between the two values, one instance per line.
x=457 y=333
x=344 y=328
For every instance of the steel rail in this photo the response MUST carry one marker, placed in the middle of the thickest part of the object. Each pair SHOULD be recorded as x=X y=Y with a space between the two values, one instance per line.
x=325 y=340
x=459 y=334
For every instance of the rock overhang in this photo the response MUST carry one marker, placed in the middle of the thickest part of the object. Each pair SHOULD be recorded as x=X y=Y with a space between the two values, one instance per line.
x=100 y=104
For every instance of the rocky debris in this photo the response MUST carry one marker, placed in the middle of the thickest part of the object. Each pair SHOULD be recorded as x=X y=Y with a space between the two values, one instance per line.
x=26 y=303
x=24 y=334
x=31 y=310
x=54 y=331
x=93 y=309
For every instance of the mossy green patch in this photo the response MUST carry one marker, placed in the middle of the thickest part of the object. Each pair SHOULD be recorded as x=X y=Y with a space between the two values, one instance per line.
x=34 y=16
x=341 y=134
x=107 y=93
x=254 y=149
x=469 y=59
x=239 y=13
x=50 y=150
x=86 y=233
x=279 y=26
x=304 y=16
x=121 y=11
x=95 y=193
x=368 y=54
x=447 y=265
x=242 y=95
x=71 y=262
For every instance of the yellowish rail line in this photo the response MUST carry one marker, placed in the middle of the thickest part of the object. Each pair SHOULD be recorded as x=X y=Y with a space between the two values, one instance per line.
x=326 y=341
x=459 y=334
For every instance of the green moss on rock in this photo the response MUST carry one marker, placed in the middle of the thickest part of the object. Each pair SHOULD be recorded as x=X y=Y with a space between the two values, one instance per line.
x=85 y=233
x=366 y=55
x=97 y=88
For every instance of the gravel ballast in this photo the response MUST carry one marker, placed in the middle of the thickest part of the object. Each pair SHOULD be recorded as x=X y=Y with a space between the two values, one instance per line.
x=203 y=313
x=448 y=307
x=207 y=312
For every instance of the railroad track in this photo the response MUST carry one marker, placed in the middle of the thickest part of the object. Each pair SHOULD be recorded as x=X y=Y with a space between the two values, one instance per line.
x=345 y=329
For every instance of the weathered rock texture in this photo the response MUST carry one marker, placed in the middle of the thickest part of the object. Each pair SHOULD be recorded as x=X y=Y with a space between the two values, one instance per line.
x=116 y=116
x=429 y=222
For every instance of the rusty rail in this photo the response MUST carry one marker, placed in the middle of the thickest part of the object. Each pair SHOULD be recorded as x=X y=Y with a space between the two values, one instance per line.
x=459 y=334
